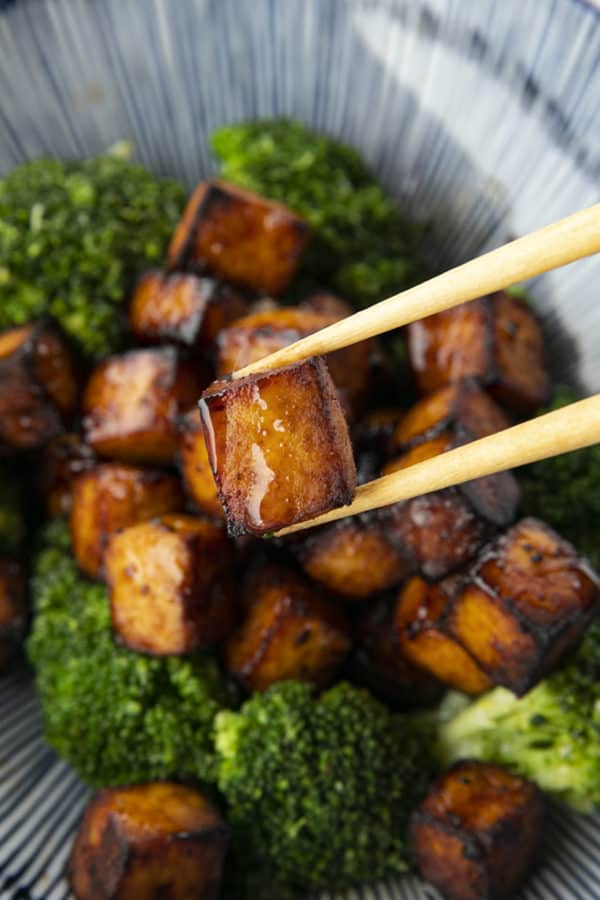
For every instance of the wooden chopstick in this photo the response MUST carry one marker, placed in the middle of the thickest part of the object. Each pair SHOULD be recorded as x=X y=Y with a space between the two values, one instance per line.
x=549 y=248
x=570 y=428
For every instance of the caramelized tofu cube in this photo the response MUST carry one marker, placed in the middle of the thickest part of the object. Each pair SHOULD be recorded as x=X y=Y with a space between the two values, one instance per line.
x=240 y=237
x=194 y=466
x=476 y=834
x=38 y=385
x=63 y=459
x=182 y=308
x=169 y=585
x=422 y=627
x=528 y=602
x=113 y=496
x=496 y=339
x=290 y=632
x=132 y=401
x=13 y=611
x=279 y=447
x=148 y=841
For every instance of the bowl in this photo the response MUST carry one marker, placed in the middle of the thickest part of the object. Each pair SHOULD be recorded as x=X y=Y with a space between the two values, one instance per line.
x=480 y=116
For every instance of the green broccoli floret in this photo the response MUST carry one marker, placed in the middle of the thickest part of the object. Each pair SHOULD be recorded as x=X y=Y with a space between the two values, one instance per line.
x=318 y=790
x=551 y=735
x=12 y=519
x=74 y=236
x=116 y=716
x=363 y=247
x=565 y=490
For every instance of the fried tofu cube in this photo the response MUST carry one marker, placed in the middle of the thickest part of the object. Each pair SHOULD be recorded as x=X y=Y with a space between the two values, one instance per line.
x=183 y=308
x=279 y=447
x=169 y=585
x=13 y=611
x=476 y=834
x=62 y=460
x=496 y=339
x=147 y=841
x=112 y=496
x=421 y=623
x=528 y=601
x=194 y=466
x=132 y=402
x=240 y=237
x=38 y=385
x=290 y=631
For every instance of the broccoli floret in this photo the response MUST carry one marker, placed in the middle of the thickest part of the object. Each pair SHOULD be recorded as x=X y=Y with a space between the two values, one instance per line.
x=116 y=716
x=318 y=790
x=73 y=237
x=565 y=490
x=363 y=246
x=12 y=519
x=551 y=735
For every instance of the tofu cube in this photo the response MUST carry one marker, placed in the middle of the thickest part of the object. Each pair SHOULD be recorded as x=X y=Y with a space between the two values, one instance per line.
x=421 y=623
x=194 y=466
x=476 y=834
x=528 y=601
x=132 y=402
x=148 y=841
x=112 y=496
x=65 y=457
x=240 y=237
x=13 y=611
x=38 y=386
x=290 y=631
x=279 y=447
x=169 y=585
x=182 y=308
x=496 y=339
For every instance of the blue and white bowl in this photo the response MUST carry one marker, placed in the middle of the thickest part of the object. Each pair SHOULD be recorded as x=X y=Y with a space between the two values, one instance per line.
x=482 y=115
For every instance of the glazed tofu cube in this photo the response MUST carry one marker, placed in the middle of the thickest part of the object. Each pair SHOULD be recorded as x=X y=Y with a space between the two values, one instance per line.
x=421 y=623
x=290 y=632
x=476 y=834
x=112 y=496
x=38 y=385
x=529 y=600
x=194 y=466
x=279 y=447
x=240 y=237
x=148 y=841
x=62 y=460
x=132 y=401
x=13 y=611
x=169 y=585
x=182 y=308
x=496 y=339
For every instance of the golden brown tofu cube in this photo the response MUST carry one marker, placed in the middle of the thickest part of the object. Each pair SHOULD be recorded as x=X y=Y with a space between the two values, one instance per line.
x=13 y=611
x=421 y=622
x=496 y=339
x=194 y=466
x=279 y=447
x=476 y=834
x=38 y=385
x=148 y=841
x=183 y=308
x=528 y=602
x=240 y=237
x=379 y=663
x=355 y=557
x=113 y=496
x=257 y=335
x=61 y=461
x=290 y=631
x=132 y=401
x=169 y=584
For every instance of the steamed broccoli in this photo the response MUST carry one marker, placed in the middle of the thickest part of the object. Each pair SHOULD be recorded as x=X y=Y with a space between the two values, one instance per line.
x=116 y=716
x=551 y=735
x=73 y=237
x=318 y=790
x=565 y=490
x=12 y=520
x=363 y=247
